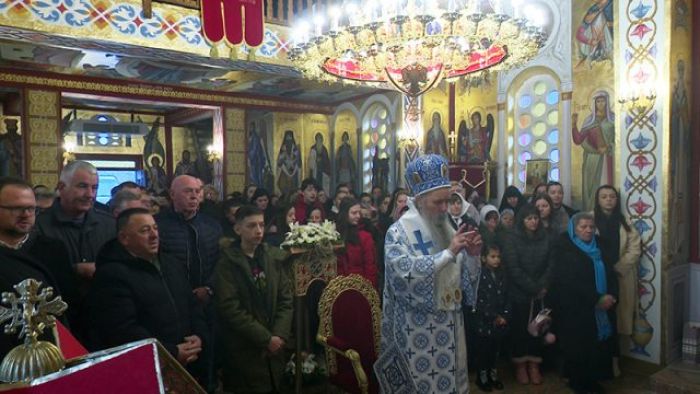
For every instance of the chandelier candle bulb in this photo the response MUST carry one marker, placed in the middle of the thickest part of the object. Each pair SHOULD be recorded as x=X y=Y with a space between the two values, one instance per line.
x=318 y=24
x=498 y=7
x=516 y=8
x=334 y=13
x=451 y=6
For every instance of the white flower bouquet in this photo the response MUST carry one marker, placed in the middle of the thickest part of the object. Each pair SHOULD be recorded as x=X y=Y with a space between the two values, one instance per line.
x=312 y=235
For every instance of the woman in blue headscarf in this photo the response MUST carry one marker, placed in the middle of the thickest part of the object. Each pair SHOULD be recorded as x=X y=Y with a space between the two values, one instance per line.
x=586 y=291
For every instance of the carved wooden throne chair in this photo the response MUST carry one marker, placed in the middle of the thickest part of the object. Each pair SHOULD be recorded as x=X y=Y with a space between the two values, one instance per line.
x=349 y=331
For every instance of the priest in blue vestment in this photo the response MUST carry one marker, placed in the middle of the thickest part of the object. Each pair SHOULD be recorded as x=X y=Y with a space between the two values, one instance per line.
x=428 y=266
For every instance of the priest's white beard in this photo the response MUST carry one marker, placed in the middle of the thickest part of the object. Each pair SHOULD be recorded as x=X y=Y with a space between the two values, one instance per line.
x=439 y=230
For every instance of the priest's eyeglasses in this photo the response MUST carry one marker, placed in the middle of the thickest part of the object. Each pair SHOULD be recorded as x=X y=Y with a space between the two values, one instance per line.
x=30 y=210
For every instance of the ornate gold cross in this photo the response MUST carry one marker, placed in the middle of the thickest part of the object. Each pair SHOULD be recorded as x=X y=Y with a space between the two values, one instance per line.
x=32 y=311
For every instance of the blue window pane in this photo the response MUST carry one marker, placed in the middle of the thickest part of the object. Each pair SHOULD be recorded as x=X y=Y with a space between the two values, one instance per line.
x=521 y=176
x=524 y=157
x=554 y=156
x=553 y=137
x=524 y=139
x=553 y=97
x=554 y=174
x=525 y=101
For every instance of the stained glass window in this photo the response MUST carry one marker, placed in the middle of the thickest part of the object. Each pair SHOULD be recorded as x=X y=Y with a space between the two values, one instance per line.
x=376 y=141
x=536 y=121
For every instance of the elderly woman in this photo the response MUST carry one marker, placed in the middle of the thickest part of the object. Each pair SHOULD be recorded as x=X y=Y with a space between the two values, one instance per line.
x=587 y=293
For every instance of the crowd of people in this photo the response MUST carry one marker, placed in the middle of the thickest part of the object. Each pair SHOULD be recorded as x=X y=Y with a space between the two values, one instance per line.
x=460 y=278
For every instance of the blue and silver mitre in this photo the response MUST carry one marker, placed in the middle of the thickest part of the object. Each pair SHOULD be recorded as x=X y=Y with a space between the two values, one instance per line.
x=427 y=173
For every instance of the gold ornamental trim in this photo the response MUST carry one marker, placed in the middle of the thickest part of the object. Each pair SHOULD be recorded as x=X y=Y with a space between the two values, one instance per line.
x=333 y=290
x=131 y=89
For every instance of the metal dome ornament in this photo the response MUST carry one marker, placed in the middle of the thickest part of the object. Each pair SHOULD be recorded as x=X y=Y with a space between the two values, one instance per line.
x=413 y=45
x=32 y=312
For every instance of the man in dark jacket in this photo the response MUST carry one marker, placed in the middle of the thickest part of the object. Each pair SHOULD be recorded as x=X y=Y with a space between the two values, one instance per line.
x=140 y=293
x=254 y=301
x=190 y=237
x=19 y=248
x=193 y=240
x=74 y=221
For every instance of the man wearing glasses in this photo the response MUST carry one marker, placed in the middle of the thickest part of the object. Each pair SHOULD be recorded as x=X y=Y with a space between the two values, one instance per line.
x=26 y=254
x=82 y=229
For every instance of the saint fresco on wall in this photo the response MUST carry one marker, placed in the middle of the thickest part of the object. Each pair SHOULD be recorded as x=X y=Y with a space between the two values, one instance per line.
x=594 y=36
x=154 y=158
x=597 y=138
x=345 y=162
x=320 y=163
x=681 y=15
x=11 y=147
x=185 y=166
x=435 y=141
x=259 y=166
x=288 y=165
x=680 y=145
x=474 y=141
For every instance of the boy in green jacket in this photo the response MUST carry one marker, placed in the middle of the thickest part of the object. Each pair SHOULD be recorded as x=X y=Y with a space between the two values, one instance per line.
x=254 y=302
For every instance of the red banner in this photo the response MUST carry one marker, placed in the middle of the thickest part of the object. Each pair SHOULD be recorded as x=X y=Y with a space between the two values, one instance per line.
x=235 y=20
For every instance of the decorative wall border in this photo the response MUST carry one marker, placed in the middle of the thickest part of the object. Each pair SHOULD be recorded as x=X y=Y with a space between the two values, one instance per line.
x=123 y=21
x=234 y=142
x=42 y=136
x=641 y=41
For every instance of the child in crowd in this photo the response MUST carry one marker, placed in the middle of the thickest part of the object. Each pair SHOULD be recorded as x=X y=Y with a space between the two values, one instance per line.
x=488 y=228
x=507 y=218
x=491 y=315
x=316 y=216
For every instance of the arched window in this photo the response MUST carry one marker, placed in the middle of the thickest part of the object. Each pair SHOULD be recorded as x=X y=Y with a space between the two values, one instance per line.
x=533 y=127
x=377 y=138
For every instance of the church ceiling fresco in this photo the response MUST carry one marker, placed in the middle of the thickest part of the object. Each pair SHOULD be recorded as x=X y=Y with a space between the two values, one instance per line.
x=46 y=52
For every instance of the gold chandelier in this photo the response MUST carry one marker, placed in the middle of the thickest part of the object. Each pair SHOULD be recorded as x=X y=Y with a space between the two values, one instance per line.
x=413 y=45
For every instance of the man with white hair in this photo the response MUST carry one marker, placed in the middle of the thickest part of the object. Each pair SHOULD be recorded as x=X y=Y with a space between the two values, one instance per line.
x=427 y=267
x=83 y=230
x=73 y=219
